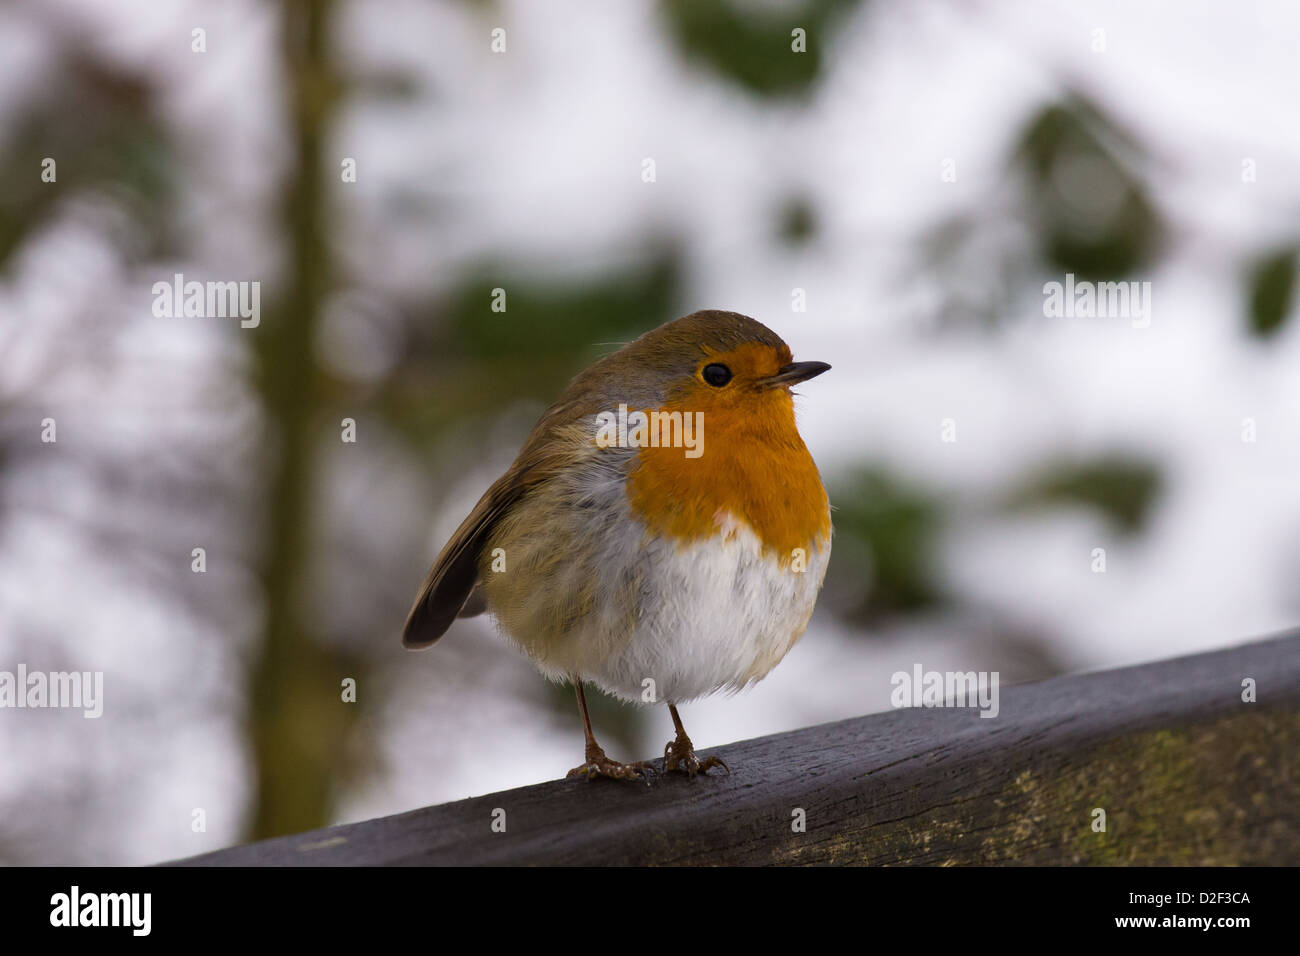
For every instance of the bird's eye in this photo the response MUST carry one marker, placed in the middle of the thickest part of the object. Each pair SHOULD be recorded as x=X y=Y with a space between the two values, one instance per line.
x=716 y=375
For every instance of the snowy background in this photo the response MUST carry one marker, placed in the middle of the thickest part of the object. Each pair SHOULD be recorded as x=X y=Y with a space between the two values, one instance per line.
x=919 y=173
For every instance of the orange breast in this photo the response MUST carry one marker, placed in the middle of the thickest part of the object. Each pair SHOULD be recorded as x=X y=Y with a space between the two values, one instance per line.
x=754 y=467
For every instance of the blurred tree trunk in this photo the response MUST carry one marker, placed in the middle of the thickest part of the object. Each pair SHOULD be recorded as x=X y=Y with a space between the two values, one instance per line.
x=297 y=721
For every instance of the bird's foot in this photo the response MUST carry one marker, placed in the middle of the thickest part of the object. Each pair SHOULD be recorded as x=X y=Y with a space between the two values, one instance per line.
x=680 y=755
x=599 y=765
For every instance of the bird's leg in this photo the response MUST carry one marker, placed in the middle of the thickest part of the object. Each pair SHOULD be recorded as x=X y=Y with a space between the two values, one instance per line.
x=597 y=764
x=680 y=753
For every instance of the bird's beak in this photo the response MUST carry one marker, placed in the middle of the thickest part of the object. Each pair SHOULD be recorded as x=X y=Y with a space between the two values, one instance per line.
x=794 y=372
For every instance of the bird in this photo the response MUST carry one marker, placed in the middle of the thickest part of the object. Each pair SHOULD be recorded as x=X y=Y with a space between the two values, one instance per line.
x=662 y=535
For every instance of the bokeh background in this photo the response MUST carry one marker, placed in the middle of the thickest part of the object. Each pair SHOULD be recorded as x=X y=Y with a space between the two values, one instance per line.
x=913 y=179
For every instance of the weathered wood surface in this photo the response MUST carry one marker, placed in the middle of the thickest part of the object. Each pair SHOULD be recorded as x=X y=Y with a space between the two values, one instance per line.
x=1186 y=771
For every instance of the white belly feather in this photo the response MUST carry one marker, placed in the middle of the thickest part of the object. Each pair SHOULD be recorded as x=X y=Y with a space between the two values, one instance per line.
x=728 y=615
x=659 y=621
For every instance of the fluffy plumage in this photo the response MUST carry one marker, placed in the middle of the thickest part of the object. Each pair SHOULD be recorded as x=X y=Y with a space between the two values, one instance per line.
x=624 y=565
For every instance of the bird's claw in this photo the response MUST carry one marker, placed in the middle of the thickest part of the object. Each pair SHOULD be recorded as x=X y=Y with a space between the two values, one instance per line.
x=599 y=765
x=680 y=754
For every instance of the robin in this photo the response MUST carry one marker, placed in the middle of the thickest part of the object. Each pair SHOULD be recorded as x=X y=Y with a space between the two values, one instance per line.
x=662 y=535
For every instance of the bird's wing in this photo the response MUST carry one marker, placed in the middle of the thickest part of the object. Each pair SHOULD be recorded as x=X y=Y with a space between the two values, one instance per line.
x=447 y=586
x=475 y=604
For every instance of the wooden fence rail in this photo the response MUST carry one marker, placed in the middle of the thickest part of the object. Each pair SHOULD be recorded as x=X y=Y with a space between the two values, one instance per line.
x=1185 y=770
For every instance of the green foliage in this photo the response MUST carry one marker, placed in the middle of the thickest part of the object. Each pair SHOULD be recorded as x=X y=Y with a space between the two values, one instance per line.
x=549 y=318
x=1091 y=210
x=98 y=125
x=796 y=220
x=474 y=362
x=885 y=533
x=1123 y=489
x=753 y=47
x=1271 y=287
